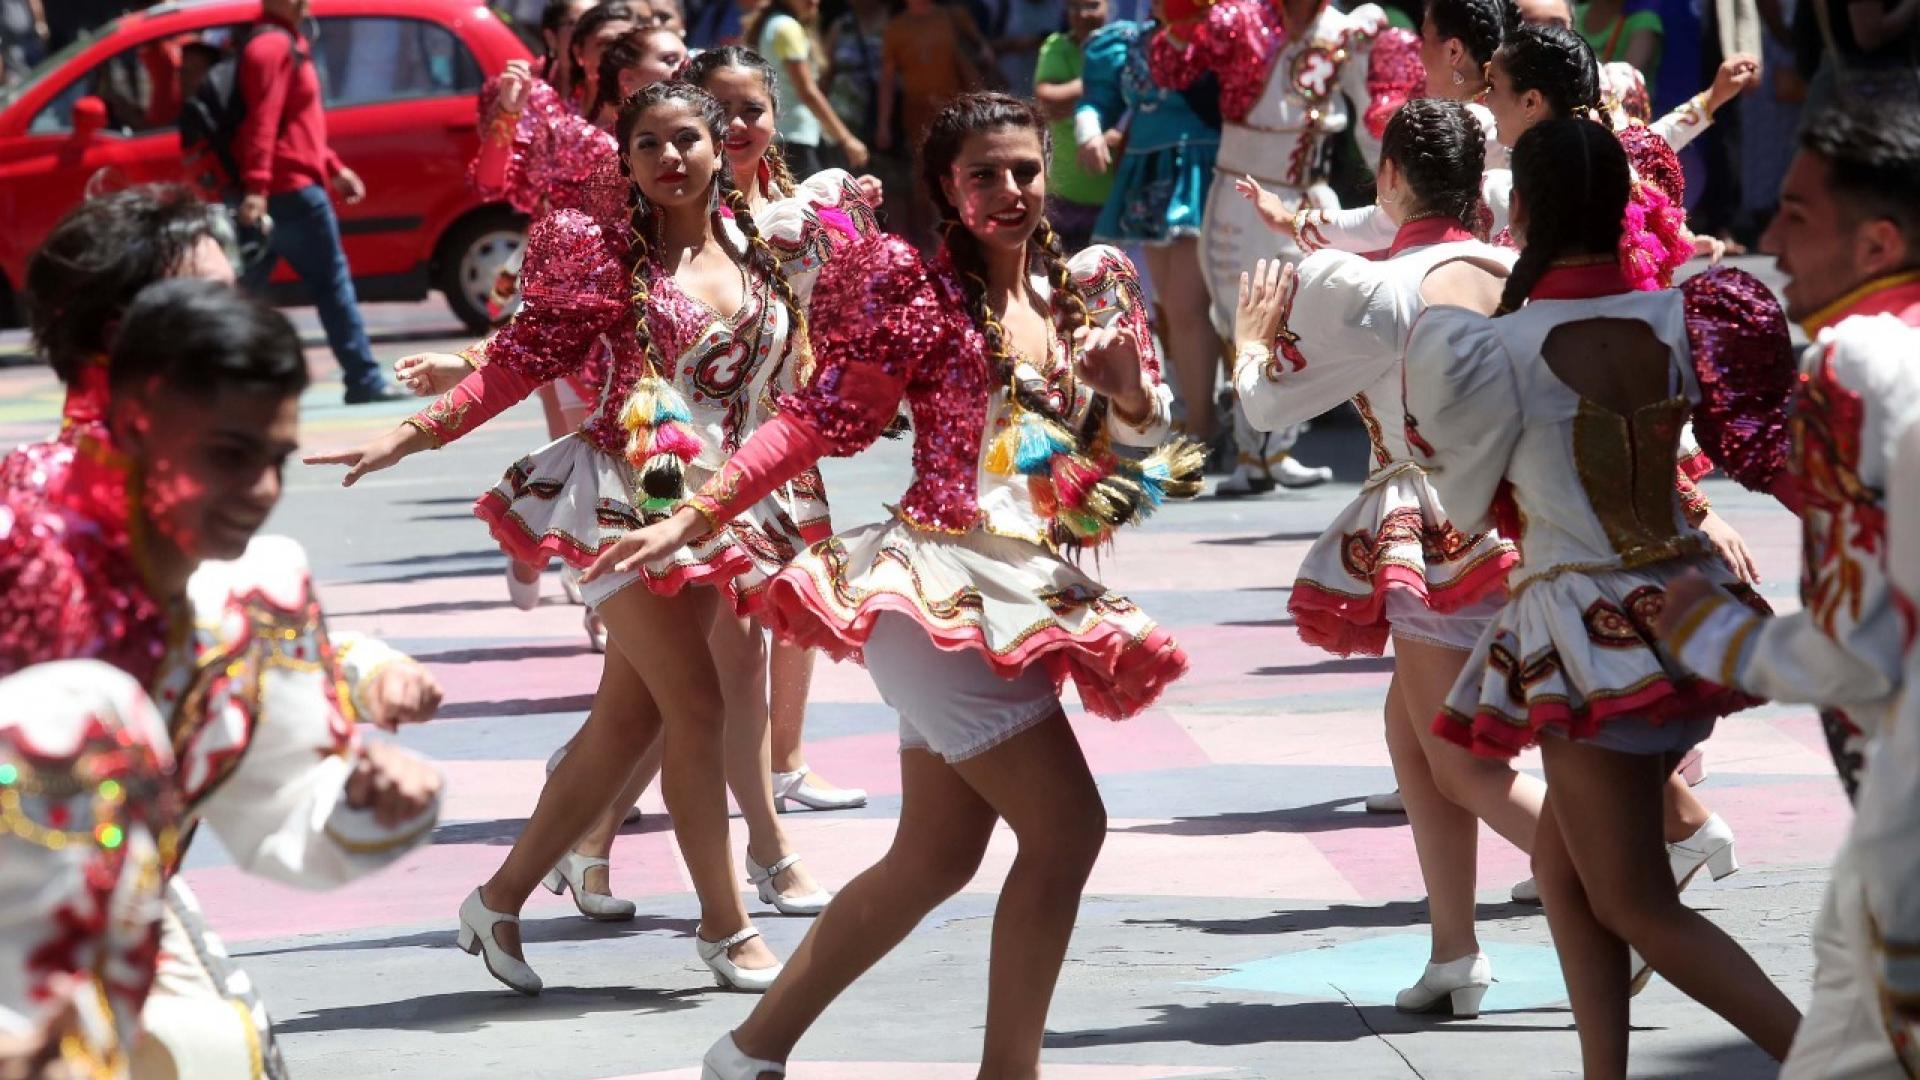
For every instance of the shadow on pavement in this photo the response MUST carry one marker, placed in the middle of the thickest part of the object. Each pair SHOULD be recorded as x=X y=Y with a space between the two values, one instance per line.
x=1240 y=1023
x=1731 y=1059
x=438 y=556
x=1256 y=541
x=468 y=710
x=504 y=831
x=472 y=1010
x=1356 y=665
x=1314 y=818
x=560 y=929
x=1397 y=913
x=503 y=652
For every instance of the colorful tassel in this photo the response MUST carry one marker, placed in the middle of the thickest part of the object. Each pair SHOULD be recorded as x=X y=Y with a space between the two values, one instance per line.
x=1046 y=502
x=1037 y=442
x=659 y=443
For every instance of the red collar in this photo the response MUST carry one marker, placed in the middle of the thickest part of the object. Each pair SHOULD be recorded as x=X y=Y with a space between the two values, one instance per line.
x=1582 y=282
x=1427 y=232
x=87 y=395
x=1897 y=295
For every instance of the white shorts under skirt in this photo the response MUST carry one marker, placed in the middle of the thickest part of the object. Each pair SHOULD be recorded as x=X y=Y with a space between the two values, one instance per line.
x=951 y=704
x=1410 y=617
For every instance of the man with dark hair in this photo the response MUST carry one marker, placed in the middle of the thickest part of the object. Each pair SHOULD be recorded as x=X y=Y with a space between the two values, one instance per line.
x=223 y=629
x=1847 y=237
x=285 y=170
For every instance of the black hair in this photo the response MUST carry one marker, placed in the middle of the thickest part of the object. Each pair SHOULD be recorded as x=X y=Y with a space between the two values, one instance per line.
x=1440 y=150
x=1873 y=162
x=1571 y=177
x=99 y=257
x=1556 y=62
x=553 y=15
x=202 y=337
x=1477 y=24
x=702 y=67
x=758 y=256
x=964 y=117
x=584 y=28
x=624 y=52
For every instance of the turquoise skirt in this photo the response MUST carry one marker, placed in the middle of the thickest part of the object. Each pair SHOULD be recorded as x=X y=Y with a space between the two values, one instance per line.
x=1158 y=194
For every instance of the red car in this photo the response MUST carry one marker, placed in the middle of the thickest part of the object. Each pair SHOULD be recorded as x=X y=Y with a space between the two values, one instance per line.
x=399 y=79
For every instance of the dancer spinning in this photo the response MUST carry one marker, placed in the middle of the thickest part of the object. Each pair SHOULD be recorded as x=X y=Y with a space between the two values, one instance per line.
x=1288 y=71
x=705 y=333
x=1577 y=462
x=1019 y=368
x=1848 y=239
x=1392 y=563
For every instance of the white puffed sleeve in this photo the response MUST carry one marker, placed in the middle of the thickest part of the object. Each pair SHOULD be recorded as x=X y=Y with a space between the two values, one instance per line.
x=362 y=659
x=1111 y=288
x=1347 y=321
x=1463 y=410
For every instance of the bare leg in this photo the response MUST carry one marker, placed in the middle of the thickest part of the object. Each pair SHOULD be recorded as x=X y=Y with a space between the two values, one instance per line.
x=790 y=678
x=623 y=720
x=1038 y=781
x=1492 y=791
x=1685 y=814
x=1446 y=837
x=1592 y=959
x=597 y=843
x=943 y=832
x=740 y=653
x=1181 y=288
x=1623 y=870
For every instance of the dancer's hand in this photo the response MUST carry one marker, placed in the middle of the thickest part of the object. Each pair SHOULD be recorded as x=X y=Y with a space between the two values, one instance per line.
x=645 y=545
x=403 y=693
x=1271 y=208
x=515 y=82
x=1109 y=363
x=430 y=374
x=396 y=785
x=1265 y=297
x=1732 y=549
x=1737 y=75
x=1683 y=595
x=871 y=189
x=1095 y=156
x=382 y=453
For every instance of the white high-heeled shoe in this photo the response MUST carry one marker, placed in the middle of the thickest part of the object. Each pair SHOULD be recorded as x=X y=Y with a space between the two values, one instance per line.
x=1710 y=846
x=726 y=973
x=553 y=762
x=726 y=1061
x=761 y=879
x=476 y=936
x=596 y=631
x=570 y=875
x=570 y=584
x=793 y=785
x=1386 y=802
x=1455 y=986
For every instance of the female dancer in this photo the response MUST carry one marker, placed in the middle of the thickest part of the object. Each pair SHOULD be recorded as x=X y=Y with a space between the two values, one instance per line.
x=1392 y=562
x=1159 y=187
x=695 y=297
x=1577 y=462
x=1019 y=368
x=745 y=85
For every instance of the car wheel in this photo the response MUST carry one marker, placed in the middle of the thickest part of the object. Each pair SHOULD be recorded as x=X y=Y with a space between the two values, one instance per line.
x=470 y=259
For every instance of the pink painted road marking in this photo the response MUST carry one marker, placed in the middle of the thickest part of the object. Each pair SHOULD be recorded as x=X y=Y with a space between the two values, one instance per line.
x=935 y=1070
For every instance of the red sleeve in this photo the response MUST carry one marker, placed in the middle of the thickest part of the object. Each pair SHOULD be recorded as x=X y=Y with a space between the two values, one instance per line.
x=265 y=70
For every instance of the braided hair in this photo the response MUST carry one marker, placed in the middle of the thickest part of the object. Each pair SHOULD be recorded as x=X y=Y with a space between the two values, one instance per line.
x=625 y=52
x=1571 y=177
x=966 y=116
x=1440 y=150
x=584 y=28
x=757 y=256
x=1476 y=24
x=710 y=61
x=1556 y=62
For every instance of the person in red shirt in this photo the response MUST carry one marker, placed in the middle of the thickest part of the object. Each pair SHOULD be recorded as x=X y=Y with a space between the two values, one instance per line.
x=286 y=168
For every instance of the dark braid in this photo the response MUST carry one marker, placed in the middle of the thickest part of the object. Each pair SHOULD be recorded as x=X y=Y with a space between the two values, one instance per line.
x=625 y=52
x=761 y=260
x=702 y=67
x=1556 y=62
x=1571 y=178
x=589 y=24
x=1440 y=150
x=1476 y=24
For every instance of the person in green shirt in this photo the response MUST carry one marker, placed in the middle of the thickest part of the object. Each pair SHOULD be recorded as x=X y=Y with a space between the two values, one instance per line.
x=1075 y=196
x=1616 y=33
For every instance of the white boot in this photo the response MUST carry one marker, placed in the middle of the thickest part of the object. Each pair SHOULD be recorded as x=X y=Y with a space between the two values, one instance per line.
x=1455 y=986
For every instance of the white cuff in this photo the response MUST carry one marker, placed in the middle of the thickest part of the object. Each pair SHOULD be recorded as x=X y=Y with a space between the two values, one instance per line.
x=1086 y=126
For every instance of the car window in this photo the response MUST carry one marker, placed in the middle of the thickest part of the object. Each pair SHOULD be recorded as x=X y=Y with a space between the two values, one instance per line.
x=143 y=86
x=369 y=59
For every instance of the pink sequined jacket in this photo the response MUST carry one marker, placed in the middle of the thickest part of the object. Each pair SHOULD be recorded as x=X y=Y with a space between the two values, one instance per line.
x=905 y=333
x=556 y=159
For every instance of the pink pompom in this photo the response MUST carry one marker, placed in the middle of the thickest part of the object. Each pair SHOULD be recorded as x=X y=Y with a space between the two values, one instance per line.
x=1072 y=479
x=675 y=439
x=1653 y=239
